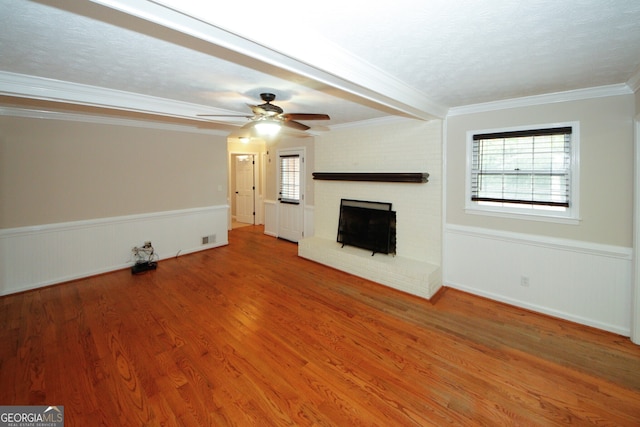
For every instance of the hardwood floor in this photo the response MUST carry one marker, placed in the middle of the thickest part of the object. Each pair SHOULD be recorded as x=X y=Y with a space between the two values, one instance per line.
x=250 y=334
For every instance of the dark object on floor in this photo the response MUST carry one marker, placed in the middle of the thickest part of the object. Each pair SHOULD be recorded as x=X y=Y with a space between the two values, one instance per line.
x=141 y=267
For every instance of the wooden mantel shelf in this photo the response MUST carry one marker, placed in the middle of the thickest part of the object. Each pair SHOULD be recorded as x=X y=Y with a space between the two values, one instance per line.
x=417 y=177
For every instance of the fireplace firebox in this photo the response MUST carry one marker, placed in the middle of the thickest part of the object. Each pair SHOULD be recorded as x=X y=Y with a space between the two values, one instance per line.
x=367 y=225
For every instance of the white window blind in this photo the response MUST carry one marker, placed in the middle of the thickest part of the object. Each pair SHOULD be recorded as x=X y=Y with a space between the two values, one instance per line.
x=531 y=167
x=290 y=178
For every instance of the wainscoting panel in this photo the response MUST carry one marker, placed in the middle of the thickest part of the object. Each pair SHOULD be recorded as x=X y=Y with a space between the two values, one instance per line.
x=32 y=257
x=271 y=217
x=577 y=281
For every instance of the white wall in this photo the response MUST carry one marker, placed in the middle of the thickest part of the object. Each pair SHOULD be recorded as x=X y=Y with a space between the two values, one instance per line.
x=583 y=282
x=578 y=272
x=635 y=315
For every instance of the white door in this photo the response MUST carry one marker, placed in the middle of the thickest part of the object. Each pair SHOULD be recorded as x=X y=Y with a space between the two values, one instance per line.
x=245 y=188
x=291 y=194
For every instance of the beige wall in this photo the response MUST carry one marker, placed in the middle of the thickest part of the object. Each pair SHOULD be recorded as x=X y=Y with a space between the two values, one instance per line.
x=606 y=167
x=54 y=171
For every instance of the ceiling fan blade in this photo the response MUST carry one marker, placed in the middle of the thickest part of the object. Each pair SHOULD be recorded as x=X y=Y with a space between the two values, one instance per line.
x=257 y=110
x=295 y=125
x=224 y=115
x=305 y=116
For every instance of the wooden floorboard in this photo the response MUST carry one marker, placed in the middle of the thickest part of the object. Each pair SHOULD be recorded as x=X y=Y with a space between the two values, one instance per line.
x=252 y=335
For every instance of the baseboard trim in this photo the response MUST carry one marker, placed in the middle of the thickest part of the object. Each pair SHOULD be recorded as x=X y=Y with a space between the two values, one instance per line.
x=541 y=309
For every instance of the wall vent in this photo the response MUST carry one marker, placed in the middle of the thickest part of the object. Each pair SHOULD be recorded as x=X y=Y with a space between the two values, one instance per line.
x=206 y=240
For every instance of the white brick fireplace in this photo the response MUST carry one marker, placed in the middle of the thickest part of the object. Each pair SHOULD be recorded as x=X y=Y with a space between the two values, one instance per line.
x=400 y=146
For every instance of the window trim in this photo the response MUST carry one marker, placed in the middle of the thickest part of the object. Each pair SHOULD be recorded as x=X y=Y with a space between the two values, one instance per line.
x=570 y=216
x=281 y=198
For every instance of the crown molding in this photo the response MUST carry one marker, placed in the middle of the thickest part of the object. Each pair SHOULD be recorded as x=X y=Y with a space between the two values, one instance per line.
x=317 y=58
x=25 y=86
x=634 y=81
x=116 y=121
x=549 y=98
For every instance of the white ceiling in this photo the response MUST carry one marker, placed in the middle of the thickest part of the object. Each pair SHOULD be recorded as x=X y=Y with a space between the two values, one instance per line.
x=354 y=60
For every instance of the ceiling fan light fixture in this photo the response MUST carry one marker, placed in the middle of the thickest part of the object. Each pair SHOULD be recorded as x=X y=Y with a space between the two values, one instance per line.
x=268 y=127
x=268 y=118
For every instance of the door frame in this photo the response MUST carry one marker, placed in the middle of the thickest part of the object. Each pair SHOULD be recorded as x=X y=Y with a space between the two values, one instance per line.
x=635 y=281
x=302 y=206
x=235 y=194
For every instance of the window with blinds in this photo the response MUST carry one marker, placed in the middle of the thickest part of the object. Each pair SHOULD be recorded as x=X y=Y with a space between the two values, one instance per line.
x=290 y=178
x=518 y=169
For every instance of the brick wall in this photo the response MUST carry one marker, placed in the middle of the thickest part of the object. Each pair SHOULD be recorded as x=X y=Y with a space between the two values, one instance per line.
x=401 y=146
x=398 y=146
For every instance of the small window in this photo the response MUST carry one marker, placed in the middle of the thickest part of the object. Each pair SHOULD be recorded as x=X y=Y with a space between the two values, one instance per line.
x=290 y=178
x=524 y=171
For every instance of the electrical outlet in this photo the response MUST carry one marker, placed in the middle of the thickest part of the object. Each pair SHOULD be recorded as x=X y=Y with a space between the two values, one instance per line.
x=524 y=281
x=206 y=240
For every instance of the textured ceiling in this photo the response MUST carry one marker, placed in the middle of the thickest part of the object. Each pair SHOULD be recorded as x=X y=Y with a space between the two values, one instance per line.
x=467 y=51
x=355 y=60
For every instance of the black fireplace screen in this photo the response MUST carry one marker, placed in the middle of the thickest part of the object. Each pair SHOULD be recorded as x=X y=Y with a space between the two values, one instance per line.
x=367 y=225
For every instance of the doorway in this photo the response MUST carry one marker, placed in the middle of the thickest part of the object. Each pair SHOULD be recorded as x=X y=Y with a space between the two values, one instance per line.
x=243 y=189
x=291 y=194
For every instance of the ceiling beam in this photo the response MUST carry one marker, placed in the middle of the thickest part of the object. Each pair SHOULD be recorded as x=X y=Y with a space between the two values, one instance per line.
x=296 y=50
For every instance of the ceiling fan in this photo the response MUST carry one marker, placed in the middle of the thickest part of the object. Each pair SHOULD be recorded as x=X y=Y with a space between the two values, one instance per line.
x=271 y=116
